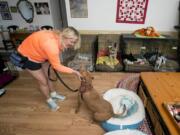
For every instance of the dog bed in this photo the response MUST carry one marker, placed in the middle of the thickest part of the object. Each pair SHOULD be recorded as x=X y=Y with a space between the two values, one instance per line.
x=125 y=132
x=135 y=110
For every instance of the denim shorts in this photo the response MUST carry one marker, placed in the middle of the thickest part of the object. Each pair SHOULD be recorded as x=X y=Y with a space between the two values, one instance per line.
x=32 y=65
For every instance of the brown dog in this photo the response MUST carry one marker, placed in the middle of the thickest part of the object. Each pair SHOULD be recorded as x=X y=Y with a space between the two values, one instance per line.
x=102 y=110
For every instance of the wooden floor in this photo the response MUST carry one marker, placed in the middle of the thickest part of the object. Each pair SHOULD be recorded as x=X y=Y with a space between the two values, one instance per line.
x=23 y=110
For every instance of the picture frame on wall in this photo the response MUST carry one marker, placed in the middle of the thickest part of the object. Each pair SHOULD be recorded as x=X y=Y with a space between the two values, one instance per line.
x=4 y=6
x=6 y=16
x=131 y=11
x=42 y=8
x=13 y=9
x=4 y=10
x=78 y=8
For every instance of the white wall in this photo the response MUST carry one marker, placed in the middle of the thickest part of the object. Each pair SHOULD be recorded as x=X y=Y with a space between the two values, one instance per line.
x=39 y=20
x=161 y=14
x=55 y=11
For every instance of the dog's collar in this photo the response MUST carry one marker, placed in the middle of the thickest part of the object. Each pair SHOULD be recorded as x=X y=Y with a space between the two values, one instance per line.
x=85 y=86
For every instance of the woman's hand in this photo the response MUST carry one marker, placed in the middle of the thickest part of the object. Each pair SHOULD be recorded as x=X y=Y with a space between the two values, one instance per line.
x=78 y=74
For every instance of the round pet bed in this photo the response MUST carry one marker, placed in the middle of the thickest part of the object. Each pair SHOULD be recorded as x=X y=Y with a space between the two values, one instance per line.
x=125 y=132
x=133 y=118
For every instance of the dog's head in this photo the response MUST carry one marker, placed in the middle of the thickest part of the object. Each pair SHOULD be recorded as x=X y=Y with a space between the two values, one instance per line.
x=86 y=81
x=86 y=76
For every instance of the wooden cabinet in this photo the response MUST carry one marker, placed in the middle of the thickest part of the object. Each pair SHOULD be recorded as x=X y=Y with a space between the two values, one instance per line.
x=18 y=37
x=142 y=95
x=155 y=89
x=158 y=129
x=152 y=113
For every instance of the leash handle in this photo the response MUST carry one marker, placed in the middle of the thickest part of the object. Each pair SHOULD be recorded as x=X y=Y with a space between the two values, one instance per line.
x=60 y=79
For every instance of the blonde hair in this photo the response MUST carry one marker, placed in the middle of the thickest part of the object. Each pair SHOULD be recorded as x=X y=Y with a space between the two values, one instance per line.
x=71 y=32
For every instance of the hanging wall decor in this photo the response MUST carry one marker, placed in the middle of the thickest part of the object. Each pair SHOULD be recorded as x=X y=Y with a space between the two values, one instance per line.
x=42 y=8
x=4 y=6
x=6 y=16
x=78 y=8
x=4 y=10
x=26 y=10
x=131 y=11
x=13 y=9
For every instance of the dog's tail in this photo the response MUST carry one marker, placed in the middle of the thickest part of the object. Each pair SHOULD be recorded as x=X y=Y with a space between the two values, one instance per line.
x=121 y=113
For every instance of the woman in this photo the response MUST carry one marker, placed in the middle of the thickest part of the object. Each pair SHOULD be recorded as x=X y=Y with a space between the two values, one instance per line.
x=44 y=47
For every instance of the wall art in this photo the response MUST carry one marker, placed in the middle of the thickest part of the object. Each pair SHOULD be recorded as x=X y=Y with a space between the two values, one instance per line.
x=78 y=8
x=13 y=9
x=6 y=16
x=42 y=8
x=4 y=10
x=4 y=6
x=131 y=11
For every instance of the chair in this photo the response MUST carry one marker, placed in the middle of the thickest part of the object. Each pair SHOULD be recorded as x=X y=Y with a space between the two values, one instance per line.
x=12 y=28
x=7 y=42
x=47 y=27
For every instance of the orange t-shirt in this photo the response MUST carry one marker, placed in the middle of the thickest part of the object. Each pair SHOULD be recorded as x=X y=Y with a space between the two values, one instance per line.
x=44 y=45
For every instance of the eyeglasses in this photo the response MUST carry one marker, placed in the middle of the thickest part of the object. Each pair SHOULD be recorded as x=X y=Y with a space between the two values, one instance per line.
x=72 y=40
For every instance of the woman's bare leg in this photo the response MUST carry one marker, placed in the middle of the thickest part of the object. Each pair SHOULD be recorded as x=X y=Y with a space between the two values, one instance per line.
x=45 y=67
x=42 y=80
x=40 y=76
x=53 y=93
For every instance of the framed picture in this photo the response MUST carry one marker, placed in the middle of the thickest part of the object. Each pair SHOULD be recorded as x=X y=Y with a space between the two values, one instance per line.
x=4 y=6
x=78 y=8
x=131 y=11
x=42 y=8
x=13 y=9
x=6 y=16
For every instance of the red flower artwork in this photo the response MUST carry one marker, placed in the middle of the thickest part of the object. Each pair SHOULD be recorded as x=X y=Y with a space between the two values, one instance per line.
x=131 y=11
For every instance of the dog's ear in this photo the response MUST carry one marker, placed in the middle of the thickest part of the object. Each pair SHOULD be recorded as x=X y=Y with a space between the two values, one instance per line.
x=82 y=67
x=92 y=77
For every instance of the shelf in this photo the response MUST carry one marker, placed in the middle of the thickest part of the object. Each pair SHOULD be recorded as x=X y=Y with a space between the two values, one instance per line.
x=133 y=37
